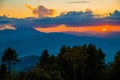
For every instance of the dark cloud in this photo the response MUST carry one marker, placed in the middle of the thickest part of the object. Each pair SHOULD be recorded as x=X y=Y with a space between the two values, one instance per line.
x=42 y=12
x=74 y=2
x=114 y=18
x=26 y=22
x=75 y=18
x=71 y=18
x=4 y=20
x=115 y=14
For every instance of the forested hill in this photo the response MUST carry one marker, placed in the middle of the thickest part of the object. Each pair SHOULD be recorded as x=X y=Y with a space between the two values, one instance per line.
x=71 y=63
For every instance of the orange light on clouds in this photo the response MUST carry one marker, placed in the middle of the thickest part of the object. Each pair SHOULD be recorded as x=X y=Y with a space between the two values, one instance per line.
x=98 y=29
x=7 y=26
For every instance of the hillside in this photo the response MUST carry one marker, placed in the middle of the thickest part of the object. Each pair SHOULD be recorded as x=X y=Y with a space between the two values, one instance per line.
x=27 y=41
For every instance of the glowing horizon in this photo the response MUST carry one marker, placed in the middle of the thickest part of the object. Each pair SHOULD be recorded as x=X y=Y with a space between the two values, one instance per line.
x=96 y=29
x=20 y=9
x=97 y=16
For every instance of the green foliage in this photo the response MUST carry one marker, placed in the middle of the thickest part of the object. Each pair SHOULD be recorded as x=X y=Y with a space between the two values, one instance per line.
x=55 y=75
x=82 y=62
x=72 y=63
x=39 y=74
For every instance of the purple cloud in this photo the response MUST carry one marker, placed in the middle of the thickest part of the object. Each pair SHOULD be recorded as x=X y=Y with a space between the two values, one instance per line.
x=71 y=18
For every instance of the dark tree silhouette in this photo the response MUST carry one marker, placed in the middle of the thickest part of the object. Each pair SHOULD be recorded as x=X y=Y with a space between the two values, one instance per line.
x=3 y=71
x=44 y=59
x=81 y=62
x=9 y=57
x=85 y=62
x=115 y=68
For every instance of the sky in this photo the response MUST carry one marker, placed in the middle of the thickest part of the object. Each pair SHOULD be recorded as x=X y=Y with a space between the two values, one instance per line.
x=17 y=8
x=95 y=16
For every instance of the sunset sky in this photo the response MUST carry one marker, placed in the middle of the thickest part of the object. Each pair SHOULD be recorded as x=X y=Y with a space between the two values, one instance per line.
x=17 y=8
x=64 y=15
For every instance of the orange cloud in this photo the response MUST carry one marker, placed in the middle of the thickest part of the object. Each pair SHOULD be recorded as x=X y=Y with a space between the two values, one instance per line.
x=42 y=12
x=6 y=26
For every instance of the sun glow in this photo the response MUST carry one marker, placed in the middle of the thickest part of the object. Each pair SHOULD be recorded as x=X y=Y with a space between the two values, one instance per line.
x=96 y=29
x=103 y=29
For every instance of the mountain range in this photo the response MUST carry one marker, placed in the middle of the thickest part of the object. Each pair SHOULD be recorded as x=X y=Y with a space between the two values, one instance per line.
x=28 y=41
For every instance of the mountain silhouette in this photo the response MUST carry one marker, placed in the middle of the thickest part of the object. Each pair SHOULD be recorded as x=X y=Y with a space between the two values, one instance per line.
x=28 y=41
x=31 y=61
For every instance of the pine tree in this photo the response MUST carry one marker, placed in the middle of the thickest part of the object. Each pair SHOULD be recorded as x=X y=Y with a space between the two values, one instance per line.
x=9 y=57
x=44 y=59
x=115 y=68
x=3 y=71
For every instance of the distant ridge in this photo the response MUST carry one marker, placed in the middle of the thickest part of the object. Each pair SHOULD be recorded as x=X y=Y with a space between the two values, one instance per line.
x=31 y=61
x=28 y=41
x=100 y=35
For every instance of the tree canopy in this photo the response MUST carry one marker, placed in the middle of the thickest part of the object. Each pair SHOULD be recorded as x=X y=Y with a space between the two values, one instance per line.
x=85 y=62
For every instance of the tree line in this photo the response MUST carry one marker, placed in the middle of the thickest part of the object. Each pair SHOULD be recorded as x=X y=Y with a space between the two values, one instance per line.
x=72 y=63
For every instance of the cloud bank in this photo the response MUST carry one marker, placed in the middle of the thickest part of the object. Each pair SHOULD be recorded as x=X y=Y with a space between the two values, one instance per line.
x=72 y=18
